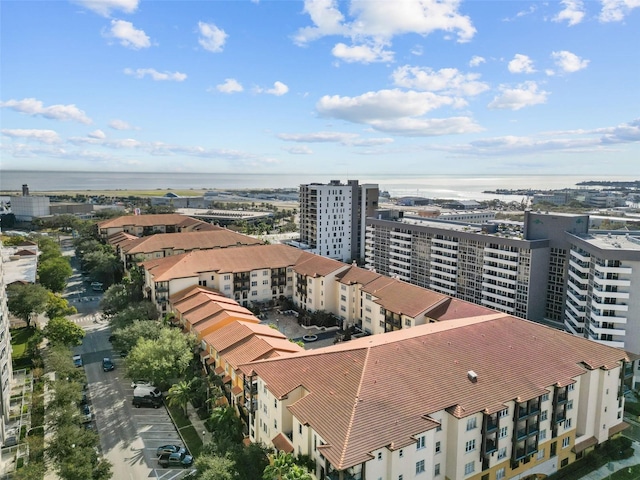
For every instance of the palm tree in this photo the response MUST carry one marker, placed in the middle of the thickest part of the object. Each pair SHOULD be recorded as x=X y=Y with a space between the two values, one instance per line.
x=180 y=394
x=282 y=467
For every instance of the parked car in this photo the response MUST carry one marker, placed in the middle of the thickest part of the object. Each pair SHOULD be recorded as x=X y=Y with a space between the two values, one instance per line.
x=87 y=414
x=147 y=401
x=141 y=383
x=180 y=459
x=107 y=364
x=96 y=286
x=147 y=391
x=77 y=360
x=170 y=449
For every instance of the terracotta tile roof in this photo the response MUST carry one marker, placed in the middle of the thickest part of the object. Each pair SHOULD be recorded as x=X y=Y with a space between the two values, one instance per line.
x=313 y=265
x=226 y=379
x=219 y=371
x=256 y=347
x=453 y=308
x=221 y=319
x=282 y=443
x=589 y=442
x=121 y=239
x=232 y=260
x=357 y=275
x=350 y=385
x=187 y=241
x=152 y=220
x=235 y=332
x=236 y=390
x=401 y=297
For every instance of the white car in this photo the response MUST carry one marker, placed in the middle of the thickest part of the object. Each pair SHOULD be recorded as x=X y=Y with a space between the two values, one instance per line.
x=141 y=383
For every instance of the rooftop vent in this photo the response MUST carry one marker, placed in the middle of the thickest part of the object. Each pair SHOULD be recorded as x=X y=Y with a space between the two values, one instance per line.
x=473 y=376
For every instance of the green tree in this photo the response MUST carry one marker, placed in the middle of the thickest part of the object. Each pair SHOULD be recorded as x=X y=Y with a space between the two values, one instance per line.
x=26 y=300
x=141 y=311
x=180 y=394
x=125 y=338
x=54 y=273
x=282 y=466
x=115 y=299
x=212 y=467
x=57 y=306
x=251 y=460
x=225 y=424
x=48 y=247
x=161 y=360
x=30 y=471
x=62 y=331
x=103 y=265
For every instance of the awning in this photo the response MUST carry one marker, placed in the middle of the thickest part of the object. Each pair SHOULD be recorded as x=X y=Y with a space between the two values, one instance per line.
x=219 y=371
x=204 y=354
x=226 y=379
x=282 y=443
x=618 y=428
x=582 y=446
x=211 y=361
x=235 y=391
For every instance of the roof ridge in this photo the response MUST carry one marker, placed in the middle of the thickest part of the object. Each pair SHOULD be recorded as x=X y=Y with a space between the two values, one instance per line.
x=355 y=405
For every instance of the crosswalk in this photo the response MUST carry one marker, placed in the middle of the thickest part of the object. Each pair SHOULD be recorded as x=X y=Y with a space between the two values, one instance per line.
x=88 y=318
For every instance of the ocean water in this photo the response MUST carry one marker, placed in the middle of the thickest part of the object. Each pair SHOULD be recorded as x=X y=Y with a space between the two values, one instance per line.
x=461 y=187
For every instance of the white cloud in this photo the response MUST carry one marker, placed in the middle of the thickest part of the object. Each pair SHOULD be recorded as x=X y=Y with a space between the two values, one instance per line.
x=33 y=107
x=428 y=127
x=128 y=35
x=298 y=150
x=569 y=62
x=381 y=105
x=278 y=89
x=616 y=10
x=117 y=124
x=476 y=60
x=41 y=136
x=343 y=138
x=521 y=64
x=230 y=85
x=417 y=51
x=211 y=38
x=524 y=95
x=98 y=134
x=573 y=12
x=105 y=7
x=381 y=21
x=156 y=75
x=446 y=80
x=362 y=53
x=521 y=13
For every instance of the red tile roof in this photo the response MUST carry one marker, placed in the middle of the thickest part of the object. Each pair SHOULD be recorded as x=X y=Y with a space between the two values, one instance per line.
x=187 y=241
x=233 y=260
x=419 y=371
x=313 y=265
x=282 y=443
x=157 y=219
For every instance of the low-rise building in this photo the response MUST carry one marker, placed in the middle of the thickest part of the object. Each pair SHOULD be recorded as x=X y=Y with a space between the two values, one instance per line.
x=487 y=397
x=143 y=225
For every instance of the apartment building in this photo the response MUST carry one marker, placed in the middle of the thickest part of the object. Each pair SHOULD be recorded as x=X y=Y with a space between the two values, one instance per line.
x=143 y=225
x=333 y=217
x=251 y=274
x=603 y=289
x=515 y=269
x=6 y=370
x=490 y=397
x=133 y=249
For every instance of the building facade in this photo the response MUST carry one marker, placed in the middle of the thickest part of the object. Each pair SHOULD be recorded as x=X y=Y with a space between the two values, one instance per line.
x=27 y=207
x=333 y=217
x=422 y=402
x=6 y=370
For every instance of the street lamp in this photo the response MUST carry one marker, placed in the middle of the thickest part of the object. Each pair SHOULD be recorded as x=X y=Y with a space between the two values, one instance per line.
x=204 y=432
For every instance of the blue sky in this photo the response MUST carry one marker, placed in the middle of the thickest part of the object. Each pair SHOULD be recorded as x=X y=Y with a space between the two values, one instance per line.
x=269 y=86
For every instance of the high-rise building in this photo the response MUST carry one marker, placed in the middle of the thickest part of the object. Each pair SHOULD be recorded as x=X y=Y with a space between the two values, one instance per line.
x=6 y=370
x=333 y=218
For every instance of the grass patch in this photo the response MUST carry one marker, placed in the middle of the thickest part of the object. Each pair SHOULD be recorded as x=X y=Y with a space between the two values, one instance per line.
x=628 y=473
x=20 y=340
x=632 y=408
x=192 y=438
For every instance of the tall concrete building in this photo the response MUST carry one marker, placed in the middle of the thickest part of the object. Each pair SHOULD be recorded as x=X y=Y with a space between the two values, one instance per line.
x=603 y=289
x=333 y=218
x=6 y=370
x=27 y=207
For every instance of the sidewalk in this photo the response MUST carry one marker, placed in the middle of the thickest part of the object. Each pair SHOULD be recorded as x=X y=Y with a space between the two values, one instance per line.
x=198 y=424
x=605 y=471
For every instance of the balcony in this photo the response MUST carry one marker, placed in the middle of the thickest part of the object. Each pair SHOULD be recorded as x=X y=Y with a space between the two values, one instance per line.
x=345 y=476
x=618 y=270
x=579 y=256
x=609 y=306
x=524 y=432
x=490 y=446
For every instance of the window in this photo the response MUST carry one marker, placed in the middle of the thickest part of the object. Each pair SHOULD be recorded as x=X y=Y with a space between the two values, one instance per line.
x=227 y=287
x=469 y=468
x=275 y=424
x=265 y=282
x=503 y=413
x=381 y=323
x=407 y=322
x=545 y=397
x=565 y=442
x=567 y=423
x=571 y=387
x=437 y=447
x=543 y=415
x=421 y=442
x=503 y=432
x=300 y=429
x=439 y=427
x=436 y=470
x=227 y=277
x=400 y=477
x=419 y=467
x=254 y=284
x=379 y=455
x=275 y=403
x=570 y=405
x=472 y=423
x=265 y=273
x=500 y=473
x=502 y=453
x=542 y=435
x=401 y=452
x=470 y=446
x=540 y=454
x=343 y=298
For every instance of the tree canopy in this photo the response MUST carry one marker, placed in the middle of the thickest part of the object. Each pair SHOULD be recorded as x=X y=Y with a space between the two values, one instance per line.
x=26 y=300
x=62 y=331
x=126 y=337
x=58 y=306
x=161 y=360
x=54 y=273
